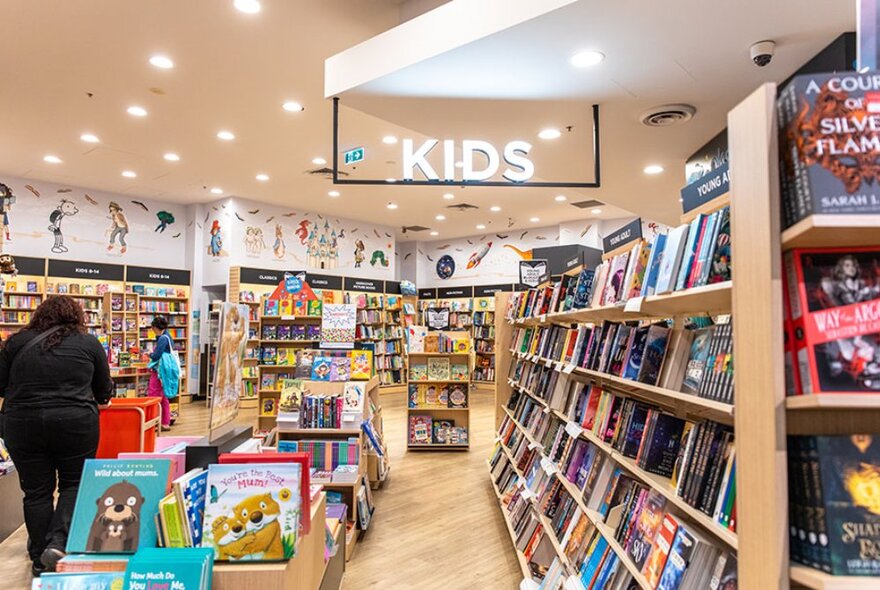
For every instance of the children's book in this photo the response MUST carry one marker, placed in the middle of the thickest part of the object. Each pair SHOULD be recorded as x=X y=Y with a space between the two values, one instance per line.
x=314 y=307
x=270 y=307
x=458 y=397
x=191 y=490
x=268 y=407
x=253 y=511
x=438 y=369
x=79 y=581
x=459 y=372
x=353 y=397
x=304 y=361
x=361 y=364
x=178 y=569
x=116 y=505
x=418 y=372
x=340 y=368
x=291 y=397
x=285 y=307
x=415 y=338
x=268 y=380
x=284 y=356
x=420 y=429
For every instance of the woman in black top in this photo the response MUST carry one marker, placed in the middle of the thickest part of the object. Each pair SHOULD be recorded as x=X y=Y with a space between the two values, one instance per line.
x=53 y=376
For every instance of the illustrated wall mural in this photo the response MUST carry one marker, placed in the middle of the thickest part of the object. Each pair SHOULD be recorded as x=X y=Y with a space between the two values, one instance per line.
x=50 y=220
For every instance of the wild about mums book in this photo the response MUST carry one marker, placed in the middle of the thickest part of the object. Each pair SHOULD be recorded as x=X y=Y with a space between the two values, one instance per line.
x=117 y=504
x=253 y=511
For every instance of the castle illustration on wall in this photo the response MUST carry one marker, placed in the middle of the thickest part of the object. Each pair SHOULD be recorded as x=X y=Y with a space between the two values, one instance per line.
x=322 y=247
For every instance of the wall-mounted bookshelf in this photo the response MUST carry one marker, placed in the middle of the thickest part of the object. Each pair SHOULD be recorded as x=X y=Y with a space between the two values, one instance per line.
x=22 y=294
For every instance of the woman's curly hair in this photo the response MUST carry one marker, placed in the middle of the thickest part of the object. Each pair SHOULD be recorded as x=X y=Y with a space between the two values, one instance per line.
x=58 y=310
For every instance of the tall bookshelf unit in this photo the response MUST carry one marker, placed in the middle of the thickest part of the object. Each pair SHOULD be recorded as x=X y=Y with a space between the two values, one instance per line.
x=484 y=331
x=22 y=295
x=391 y=361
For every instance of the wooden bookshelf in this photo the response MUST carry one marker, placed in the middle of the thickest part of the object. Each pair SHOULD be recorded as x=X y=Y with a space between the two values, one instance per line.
x=817 y=580
x=827 y=231
x=460 y=416
x=22 y=295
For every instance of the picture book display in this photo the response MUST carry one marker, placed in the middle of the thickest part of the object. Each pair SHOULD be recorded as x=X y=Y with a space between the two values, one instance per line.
x=117 y=504
x=438 y=369
x=79 y=581
x=253 y=511
x=180 y=569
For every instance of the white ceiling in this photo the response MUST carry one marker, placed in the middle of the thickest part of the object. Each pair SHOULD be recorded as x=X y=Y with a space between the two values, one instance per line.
x=233 y=71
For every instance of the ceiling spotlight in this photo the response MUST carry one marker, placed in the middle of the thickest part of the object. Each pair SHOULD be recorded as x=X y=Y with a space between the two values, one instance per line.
x=435 y=233
x=481 y=226
x=162 y=62
x=389 y=139
x=262 y=177
x=653 y=169
x=129 y=174
x=392 y=205
x=333 y=193
x=585 y=59
x=550 y=133
x=448 y=196
x=247 y=6
x=440 y=217
x=534 y=219
x=225 y=135
x=136 y=111
x=216 y=191
x=494 y=208
x=50 y=159
x=89 y=138
x=559 y=198
x=291 y=106
x=596 y=211
x=172 y=157
x=319 y=161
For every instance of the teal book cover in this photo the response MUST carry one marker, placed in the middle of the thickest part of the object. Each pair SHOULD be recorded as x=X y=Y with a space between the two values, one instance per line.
x=116 y=505
x=189 y=568
x=79 y=581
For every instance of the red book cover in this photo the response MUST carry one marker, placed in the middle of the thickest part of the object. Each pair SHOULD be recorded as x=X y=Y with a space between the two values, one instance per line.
x=835 y=311
x=662 y=543
x=592 y=407
x=792 y=376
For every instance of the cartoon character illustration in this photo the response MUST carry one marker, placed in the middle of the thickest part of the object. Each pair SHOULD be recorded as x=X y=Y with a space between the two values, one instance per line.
x=359 y=253
x=64 y=209
x=228 y=351
x=477 y=256
x=229 y=537
x=7 y=265
x=118 y=227
x=7 y=199
x=260 y=514
x=253 y=240
x=215 y=248
x=378 y=256
x=165 y=218
x=116 y=526
x=523 y=254
x=278 y=247
x=302 y=231
x=445 y=266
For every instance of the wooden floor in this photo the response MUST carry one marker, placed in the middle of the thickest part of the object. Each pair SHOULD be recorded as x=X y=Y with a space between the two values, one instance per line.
x=437 y=522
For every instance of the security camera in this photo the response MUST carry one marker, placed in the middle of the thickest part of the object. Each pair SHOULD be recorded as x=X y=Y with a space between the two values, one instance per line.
x=762 y=52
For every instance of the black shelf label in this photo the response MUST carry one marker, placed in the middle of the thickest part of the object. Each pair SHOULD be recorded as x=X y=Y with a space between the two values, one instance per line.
x=710 y=186
x=487 y=290
x=256 y=276
x=453 y=292
x=392 y=287
x=324 y=281
x=163 y=276
x=427 y=293
x=96 y=271
x=630 y=232
x=30 y=266
x=364 y=285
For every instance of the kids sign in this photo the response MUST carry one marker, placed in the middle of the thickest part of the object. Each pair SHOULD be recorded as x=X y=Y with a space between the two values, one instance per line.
x=480 y=160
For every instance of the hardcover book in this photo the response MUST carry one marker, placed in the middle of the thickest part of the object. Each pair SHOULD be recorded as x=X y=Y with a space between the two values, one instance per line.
x=420 y=429
x=361 y=364
x=656 y=343
x=438 y=369
x=678 y=560
x=79 y=581
x=304 y=360
x=321 y=368
x=178 y=569
x=649 y=521
x=418 y=371
x=340 y=368
x=458 y=396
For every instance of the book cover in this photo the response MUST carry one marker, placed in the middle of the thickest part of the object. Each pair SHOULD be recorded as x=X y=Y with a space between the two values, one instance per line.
x=458 y=371
x=268 y=407
x=696 y=229
x=458 y=396
x=584 y=290
x=696 y=363
x=614 y=281
x=361 y=364
x=321 y=368
x=633 y=359
x=191 y=490
x=678 y=560
x=662 y=442
x=420 y=429
x=649 y=521
x=116 y=505
x=305 y=358
x=175 y=569
x=353 y=397
x=292 y=393
x=667 y=273
x=340 y=368
x=660 y=552
x=415 y=338
x=438 y=368
x=637 y=281
x=418 y=371
x=656 y=343
x=79 y=581
x=253 y=511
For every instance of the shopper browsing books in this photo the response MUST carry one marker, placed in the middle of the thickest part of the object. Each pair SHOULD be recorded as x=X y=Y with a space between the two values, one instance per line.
x=155 y=388
x=53 y=376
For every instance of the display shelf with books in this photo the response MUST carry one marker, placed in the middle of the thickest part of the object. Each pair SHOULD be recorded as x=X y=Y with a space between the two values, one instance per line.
x=484 y=340
x=22 y=294
x=86 y=282
x=121 y=315
x=391 y=358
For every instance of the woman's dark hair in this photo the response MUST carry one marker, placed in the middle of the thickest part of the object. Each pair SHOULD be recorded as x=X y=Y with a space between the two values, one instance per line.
x=58 y=310
x=160 y=323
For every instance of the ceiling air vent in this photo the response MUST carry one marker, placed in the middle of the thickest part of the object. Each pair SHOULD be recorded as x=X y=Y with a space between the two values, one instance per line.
x=667 y=115
x=325 y=172
x=408 y=228
x=587 y=204
x=462 y=206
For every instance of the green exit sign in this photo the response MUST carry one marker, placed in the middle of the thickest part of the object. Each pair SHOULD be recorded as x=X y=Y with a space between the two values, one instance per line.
x=355 y=155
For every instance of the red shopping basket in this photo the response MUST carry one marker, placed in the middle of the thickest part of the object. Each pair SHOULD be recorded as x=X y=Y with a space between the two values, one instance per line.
x=128 y=425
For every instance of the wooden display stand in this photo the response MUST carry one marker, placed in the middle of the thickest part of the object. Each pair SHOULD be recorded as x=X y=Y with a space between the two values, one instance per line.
x=304 y=572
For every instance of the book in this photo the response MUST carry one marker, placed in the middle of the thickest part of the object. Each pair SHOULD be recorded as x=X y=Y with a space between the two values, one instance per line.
x=418 y=371
x=678 y=560
x=253 y=511
x=116 y=505
x=584 y=290
x=653 y=567
x=696 y=363
x=656 y=342
x=178 y=569
x=648 y=523
x=361 y=364
x=340 y=368
x=671 y=258
x=420 y=429
x=353 y=397
x=459 y=372
x=78 y=581
x=268 y=406
x=458 y=395
x=415 y=338
x=321 y=368
x=292 y=393
x=438 y=368
x=191 y=491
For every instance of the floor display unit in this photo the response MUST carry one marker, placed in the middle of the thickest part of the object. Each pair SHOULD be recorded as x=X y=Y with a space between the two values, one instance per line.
x=484 y=340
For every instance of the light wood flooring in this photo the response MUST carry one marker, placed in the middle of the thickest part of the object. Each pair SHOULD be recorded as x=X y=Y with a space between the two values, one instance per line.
x=437 y=523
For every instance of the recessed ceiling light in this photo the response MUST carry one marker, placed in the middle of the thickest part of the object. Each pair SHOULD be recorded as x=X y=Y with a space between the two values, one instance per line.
x=319 y=161
x=333 y=193
x=459 y=164
x=129 y=174
x=481 y=226
x=216 y=191
x=162 y=62
x=596 y=211
x=50 y=159
x=291 y=106
x=225 y=135
x=550 y=133
x=136 y=111
x=585 y=59
x=559 y=198
x=435 y=233
x=390 y=180
x=172 y=157
x=494 y=208
x=247 y=6
x=89 y=138
x=653 y=169
x=391 y=205
x=448 y=196
x=389 y=139
x=262 y=177
x=440 y=217
x=534 y=219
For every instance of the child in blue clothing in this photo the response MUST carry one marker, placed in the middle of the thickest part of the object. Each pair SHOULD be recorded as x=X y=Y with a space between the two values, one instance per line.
x=154 y=388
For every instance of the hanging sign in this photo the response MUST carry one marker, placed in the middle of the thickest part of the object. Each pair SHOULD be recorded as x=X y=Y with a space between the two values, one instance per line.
x=427 y=293
x=453 y=292
x=86 y=270
x=338 y=325
x=162 y=276
x=30 y=266
x=324 y=282
x=392 y=287
x=354 y=156
x=364 y=285
x=437 y=318
x=256 y=276
x=487 y=290
x=630 y=232
x=709 y=186
x=532 y=272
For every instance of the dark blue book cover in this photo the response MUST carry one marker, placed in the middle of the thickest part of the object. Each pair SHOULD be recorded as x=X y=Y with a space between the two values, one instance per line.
x=662 y=450
x=634 y=434
x=677 y=562
x=635 y=353
x=656 y=343
x=584 y=289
